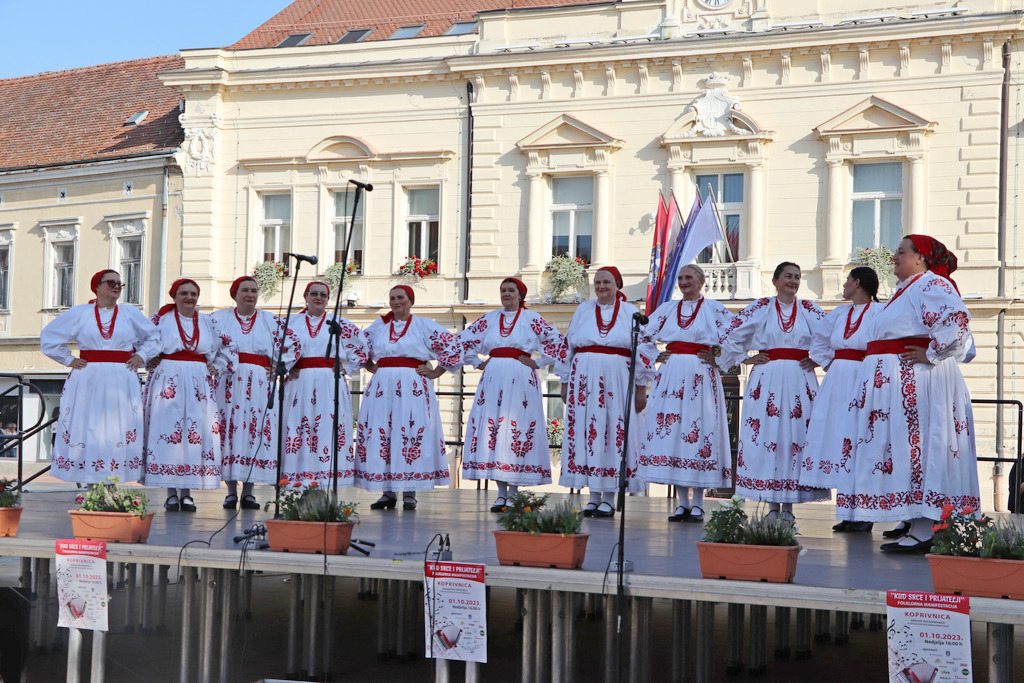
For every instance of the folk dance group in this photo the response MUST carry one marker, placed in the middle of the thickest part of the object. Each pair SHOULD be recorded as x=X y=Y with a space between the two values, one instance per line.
x=890 y=428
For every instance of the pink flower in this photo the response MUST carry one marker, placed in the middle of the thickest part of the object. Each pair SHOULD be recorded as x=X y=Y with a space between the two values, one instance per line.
x=80 y=499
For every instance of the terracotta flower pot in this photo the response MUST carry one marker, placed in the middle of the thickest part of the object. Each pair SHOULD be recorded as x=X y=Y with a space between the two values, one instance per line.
x=773 y=563
x=112 y=527
x=979 y=577
x=9 y=519
x=289 y=535
x=541 y=550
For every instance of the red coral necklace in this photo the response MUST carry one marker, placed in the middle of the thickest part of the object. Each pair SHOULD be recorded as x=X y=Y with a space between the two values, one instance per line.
x=191 y=343
x=603 y=329
x=395 y=337
x=309 y=327
x=246 y=325
x=848 y=332
x=505 y=331
x=106 y=331
x=684 y=323
x=786 y=323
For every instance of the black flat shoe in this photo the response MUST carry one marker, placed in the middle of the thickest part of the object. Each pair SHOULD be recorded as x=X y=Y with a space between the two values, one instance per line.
x=250 y=503
x=172 y=507
x=843 y=526
x=187 y=504
x=230 y=502
x=408 y=502
x=384 y=503
x=499 y=505
x=681 y=514
x=696 y=515
x=860 y=527
x=918 y=548
x=898 y=532
x=602 y=512
x=589 y=511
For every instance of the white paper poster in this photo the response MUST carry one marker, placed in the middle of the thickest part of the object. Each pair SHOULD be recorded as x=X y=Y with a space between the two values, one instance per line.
x=455 y=605
x=82 y=597
x=929 y=637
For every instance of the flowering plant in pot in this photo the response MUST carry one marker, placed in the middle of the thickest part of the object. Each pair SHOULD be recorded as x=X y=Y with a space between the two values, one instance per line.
x=311 y=520
x=566 y=274
x=971 y=555
x=268 y=276
x=10 y=507
x=416 y=268
x=539 y=536
x=112 y=513
x=758 y=548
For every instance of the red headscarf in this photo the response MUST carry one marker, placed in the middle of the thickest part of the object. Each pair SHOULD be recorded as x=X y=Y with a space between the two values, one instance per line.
x=617 y=276
x=94 y=283
x=306 y=291
x=521 y=286
x=389 y=316
x=238 y=283
x=167 y=308
x=939 y=260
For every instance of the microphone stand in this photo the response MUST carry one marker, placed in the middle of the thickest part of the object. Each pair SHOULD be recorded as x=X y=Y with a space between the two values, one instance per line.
x=278 y=382
x=620 y=595
x=335 y=339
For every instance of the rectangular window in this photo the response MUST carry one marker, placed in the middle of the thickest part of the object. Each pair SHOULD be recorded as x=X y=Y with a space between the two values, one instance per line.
x=276 y=226
x=5 y=277
x=63 y=275
x=423 y=222
x=355 y=35
x=572 y=216
x=342 y=217
x=728 y=191
x=131 y=269
x=407 y=32
x=877 y=205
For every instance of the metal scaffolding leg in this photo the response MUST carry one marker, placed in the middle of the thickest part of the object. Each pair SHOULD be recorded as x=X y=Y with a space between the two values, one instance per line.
x=394 y=617
x=327 y=620
x=559 y=645
x=734 y=659
x=314 y=586
x=186 y=626
x=757 y=661
x=383 y=619
x=45 y=624
x=611 y=645
x=529 y=614
x=294 y=624
x=472 y=672
x=704 y=652
x=782 y=637
x=856 y=620
x=442 y=671
x=246 y=590
x=804 y=629
x=520 y=608
x=876 y=622
x=161 y=599
x=682 y=662
x=209 y=608
x=130 y=585
x=227 y=608
x=822 y=626
x=1000 y=653
x=74 y=656
x=146 y=602
x=842 y=628
x=98 y=670
x=572 y=601
x=400 y=620
x=640 y=640
x=593 y=601
x=35 y=626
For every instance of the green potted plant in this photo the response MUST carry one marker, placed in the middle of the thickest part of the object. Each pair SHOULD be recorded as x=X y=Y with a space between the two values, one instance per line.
x=971 y=555
x=565 y=274
x=414 y=269
x=10 y=507
x=111 y=513
x=758 y=548
x=268 y=276
x=535 y=535
x=312 y=520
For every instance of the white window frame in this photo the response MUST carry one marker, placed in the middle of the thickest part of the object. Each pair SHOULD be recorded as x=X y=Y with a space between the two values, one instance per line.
x=572 y=209
x=59 y=231
x=7 y=232
x=426 y=219
x=719 y=255
x=277 y=223
x=877 y=197
x=343 y=223
x=124 y=226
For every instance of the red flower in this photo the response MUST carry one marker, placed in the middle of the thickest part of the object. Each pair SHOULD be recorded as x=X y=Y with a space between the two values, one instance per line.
x=968 y=510
x=297 y=485
x=947 y=510
x=284 y=481
x=313 y=485
x=80 y=499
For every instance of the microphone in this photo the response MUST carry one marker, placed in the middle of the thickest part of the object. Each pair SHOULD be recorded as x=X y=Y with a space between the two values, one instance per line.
x=311 y=260
x=366 y=186
x=641 y=318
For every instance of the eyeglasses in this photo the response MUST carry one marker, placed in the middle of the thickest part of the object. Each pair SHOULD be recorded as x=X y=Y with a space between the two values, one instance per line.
x=113 y=284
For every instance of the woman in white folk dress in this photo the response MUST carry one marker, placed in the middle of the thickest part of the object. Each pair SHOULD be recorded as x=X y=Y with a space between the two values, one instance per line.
x=100 y=426
x=595 y=379
x=249 y=436
x=400 y=440
x=780 y=393
x=838 y=346
x=507 y=438
x=913 y=443
x=687 y=441
x=309 y=395
x=183 y=424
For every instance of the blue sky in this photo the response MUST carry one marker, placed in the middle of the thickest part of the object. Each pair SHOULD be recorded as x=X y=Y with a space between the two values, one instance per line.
x=48 y=35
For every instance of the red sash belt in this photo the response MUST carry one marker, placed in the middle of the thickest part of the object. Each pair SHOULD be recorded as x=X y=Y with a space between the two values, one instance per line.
x=313 y=362
x=884 y=346
x=786 y=354
x=254 y=359
x=608 y=350
x=184 y=355
x=507 y=352
x=850 y=354
x=105 y=356
x=399 y=362
x=687 y=347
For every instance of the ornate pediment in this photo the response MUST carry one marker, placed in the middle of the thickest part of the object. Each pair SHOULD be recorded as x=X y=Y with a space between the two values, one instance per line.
x=341 y=148
x=567 y=132
x=873 y=115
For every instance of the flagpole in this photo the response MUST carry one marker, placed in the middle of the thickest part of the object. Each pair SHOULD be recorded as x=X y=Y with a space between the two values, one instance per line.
x=721 y=223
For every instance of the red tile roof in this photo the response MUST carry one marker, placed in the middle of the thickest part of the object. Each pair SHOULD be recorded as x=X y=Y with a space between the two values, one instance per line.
x=76 y=115
x=329 y=20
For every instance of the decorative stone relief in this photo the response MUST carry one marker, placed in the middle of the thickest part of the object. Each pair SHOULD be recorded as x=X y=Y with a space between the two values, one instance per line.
x=826 y=66
x=714 y=109
x=865 y=64
x=200 y=146
x=947 y=56
x=545 y=85
x=787 y=68
x=609 y=81
x=904 y=60
x=677 y=76
x=748 y=72
x=987 y=53
x=513 y=88
x=577 y=83
x=644 y=78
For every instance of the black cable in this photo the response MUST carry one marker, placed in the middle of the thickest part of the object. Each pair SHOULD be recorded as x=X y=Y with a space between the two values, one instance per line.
x=433 y=592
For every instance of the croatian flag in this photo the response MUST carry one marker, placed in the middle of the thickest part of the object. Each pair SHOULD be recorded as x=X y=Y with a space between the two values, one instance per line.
x=657 y=247
x=676 y=252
